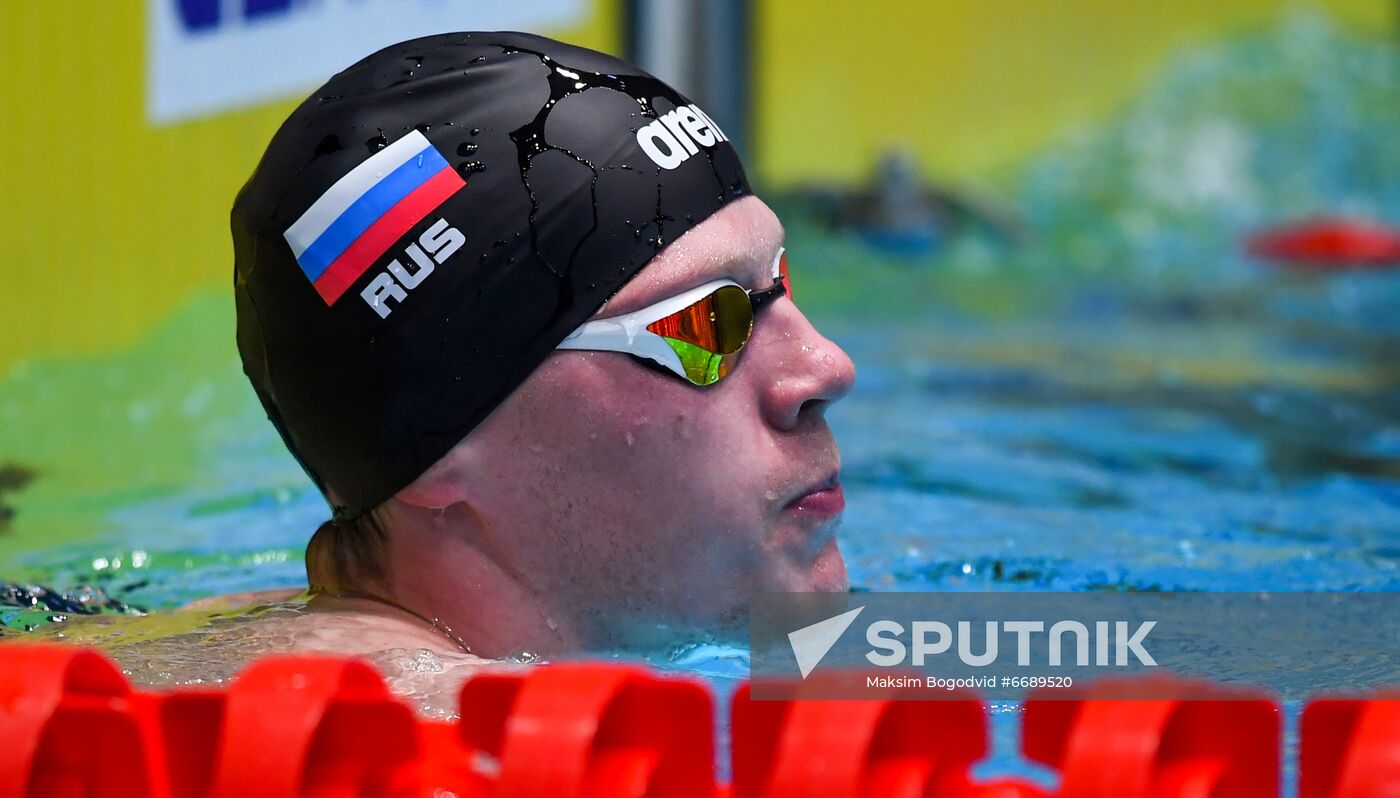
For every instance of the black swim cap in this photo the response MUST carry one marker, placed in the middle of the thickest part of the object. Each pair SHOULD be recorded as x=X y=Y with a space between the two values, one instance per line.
x=430 y=224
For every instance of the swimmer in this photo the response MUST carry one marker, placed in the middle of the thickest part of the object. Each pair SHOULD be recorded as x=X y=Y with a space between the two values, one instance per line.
x=514 y=308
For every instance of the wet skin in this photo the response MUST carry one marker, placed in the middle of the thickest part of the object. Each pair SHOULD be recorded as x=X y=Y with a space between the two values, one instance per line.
x=606 y=504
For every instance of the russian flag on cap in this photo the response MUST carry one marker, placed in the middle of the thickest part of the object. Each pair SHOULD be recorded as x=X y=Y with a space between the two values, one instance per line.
x=345 y=231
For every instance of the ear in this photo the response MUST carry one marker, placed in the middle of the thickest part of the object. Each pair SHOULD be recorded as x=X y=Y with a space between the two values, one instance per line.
x=447 y=482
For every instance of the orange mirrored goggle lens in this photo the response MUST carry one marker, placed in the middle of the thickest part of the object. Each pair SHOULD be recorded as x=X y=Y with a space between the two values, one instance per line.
x=708 y=335
x=720 y=323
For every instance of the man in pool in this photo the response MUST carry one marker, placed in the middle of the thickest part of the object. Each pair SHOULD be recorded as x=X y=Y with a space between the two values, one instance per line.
x=514 y=308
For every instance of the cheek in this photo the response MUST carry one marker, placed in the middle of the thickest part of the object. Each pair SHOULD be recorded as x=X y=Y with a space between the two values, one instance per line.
x=629 y=476
x=670 y=457
x=695 y=448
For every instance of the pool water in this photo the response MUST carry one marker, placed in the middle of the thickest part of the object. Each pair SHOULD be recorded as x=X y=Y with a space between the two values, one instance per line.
x=1144 y=443
x=1124 y=403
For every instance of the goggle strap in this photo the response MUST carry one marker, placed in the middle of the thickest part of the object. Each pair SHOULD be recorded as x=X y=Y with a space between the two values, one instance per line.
x=767 y=295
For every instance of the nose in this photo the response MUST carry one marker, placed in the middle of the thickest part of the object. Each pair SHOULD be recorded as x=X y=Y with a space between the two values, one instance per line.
x=803 y=372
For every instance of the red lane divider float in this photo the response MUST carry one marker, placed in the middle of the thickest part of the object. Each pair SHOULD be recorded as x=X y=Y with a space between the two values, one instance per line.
x=317 y=727
x=71 y=726
x=571 y=729
x=1105 y=741
x=314 y=726
x=895 y=745
x=1351 y=748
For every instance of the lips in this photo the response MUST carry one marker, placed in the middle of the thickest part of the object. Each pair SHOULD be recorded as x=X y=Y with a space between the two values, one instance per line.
x=822 y=500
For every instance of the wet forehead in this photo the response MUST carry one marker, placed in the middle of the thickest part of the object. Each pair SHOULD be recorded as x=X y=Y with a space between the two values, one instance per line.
x=739 y=242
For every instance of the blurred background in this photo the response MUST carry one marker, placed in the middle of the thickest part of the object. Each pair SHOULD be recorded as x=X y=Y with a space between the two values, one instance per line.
x=1118 y=279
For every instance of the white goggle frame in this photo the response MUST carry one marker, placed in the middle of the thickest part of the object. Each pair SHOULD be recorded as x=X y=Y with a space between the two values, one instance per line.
x=628 y=333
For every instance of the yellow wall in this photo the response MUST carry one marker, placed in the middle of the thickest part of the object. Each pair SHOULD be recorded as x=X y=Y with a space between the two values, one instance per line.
x=109 y=224
x=971 y=86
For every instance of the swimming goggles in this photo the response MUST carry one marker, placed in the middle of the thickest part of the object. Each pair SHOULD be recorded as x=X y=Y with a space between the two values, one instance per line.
x=696 y=335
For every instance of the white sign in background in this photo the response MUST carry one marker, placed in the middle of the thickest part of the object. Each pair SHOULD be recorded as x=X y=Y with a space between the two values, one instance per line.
x=216 y=57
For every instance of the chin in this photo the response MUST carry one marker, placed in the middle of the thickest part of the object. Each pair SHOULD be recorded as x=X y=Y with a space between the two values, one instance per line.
x=828 y=570
x=824 y=573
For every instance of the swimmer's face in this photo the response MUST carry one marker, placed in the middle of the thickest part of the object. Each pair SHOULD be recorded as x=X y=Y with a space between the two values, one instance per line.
x=638 y=496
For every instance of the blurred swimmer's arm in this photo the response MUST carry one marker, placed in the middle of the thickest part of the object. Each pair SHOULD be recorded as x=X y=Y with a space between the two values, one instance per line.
x=247 y=598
